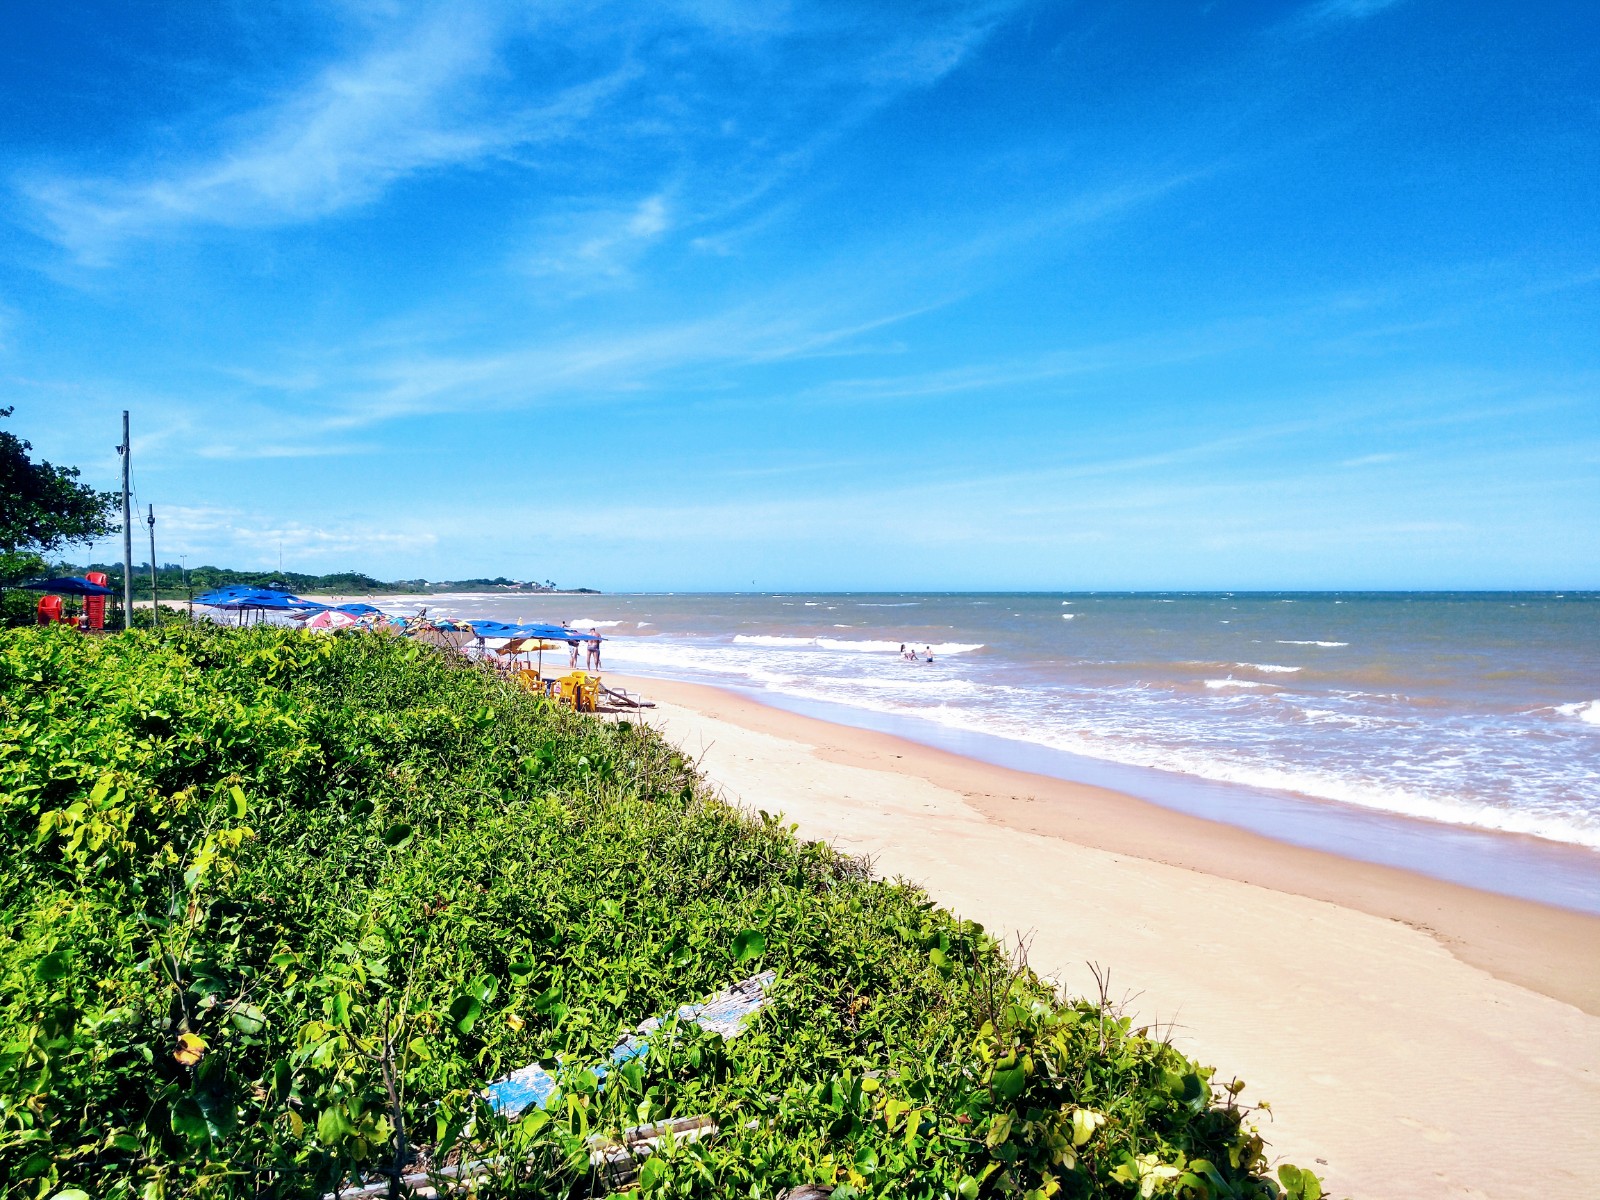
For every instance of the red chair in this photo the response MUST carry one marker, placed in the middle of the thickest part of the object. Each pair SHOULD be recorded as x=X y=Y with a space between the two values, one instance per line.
x=49 y=610
x=94 y=607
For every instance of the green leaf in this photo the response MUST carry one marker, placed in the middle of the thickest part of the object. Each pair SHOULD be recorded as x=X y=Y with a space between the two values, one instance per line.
x=397 y=835
x=522 y=968
x=1009 y=1084
x=189 y=1122
x=247 y=1018
x=333 y=1125
x=237 y=805
x=282 y=1079
x=52 y=966
x=749 y=944
x=652 y=1174
x=999 y=1129
x=465 y=1011
x=71 y=1194
x=1084 y=1123
x=221 y=1115
x=1298 y=1183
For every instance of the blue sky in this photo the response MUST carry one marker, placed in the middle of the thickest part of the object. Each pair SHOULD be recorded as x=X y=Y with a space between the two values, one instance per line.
x=706 y=295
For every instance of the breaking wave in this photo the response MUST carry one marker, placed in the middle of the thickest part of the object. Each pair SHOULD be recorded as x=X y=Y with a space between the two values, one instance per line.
x=847 y=644
x=1587 y=711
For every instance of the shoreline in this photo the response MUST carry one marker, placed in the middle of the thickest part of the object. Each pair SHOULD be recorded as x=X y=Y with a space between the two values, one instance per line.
x=1385 y=1013
x=1504 y=862
x=1542 y=947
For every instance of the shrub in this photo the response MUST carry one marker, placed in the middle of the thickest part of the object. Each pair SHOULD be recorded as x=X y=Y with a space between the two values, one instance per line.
x=279 y=906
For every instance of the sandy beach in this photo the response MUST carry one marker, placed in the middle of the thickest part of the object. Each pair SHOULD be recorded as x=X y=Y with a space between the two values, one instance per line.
x=1413 y=1037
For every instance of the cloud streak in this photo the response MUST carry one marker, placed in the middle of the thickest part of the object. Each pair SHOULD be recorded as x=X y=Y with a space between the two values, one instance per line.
x=355 y=129
x=451 y=91
x=1331 y=12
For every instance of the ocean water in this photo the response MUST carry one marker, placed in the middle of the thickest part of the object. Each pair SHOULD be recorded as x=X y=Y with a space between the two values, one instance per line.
x=1468 y=711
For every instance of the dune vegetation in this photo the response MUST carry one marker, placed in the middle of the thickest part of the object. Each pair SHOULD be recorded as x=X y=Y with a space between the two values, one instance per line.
x=278 y=906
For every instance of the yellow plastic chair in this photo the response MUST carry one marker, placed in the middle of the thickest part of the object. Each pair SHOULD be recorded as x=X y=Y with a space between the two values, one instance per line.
x=580 y=690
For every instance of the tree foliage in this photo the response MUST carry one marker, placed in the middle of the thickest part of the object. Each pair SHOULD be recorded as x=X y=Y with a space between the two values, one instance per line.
x=277 y=907
x=42 y=508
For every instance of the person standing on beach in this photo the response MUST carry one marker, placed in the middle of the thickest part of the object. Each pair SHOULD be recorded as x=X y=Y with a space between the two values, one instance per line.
x=594 y=651
x=573 y=646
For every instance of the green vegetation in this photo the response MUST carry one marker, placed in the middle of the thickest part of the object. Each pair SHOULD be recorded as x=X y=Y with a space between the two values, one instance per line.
x=175 y=583
x=277 y=906
x=42 y=508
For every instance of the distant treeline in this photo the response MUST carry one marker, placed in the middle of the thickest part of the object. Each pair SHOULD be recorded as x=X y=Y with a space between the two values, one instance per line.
x=175 y=582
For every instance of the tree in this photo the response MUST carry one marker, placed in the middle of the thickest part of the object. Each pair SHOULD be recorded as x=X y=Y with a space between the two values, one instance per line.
x=42 y=508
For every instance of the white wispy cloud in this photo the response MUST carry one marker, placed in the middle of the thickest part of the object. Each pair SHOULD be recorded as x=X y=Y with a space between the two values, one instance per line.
x=599 y=248
x=221 y=531
x=446 y=91
x=1328 y=11
x=591 y=368
x=405 y=105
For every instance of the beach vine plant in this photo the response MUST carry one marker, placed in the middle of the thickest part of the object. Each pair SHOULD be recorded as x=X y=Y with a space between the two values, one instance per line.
x=278 y=906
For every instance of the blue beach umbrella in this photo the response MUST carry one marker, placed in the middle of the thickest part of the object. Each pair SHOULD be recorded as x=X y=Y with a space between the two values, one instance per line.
x=259 y=600
x=69 y=585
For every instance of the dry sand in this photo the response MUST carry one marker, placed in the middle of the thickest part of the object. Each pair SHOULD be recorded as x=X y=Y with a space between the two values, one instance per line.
x=1415 y=1038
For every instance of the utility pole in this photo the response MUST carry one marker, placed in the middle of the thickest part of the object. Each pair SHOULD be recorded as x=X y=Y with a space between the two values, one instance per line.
x=155 y=602
x=127 y=530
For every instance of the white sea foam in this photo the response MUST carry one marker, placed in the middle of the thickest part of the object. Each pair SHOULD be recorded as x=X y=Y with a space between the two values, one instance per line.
x=1016 y=722
x=1295 y=642
x=586 y=623
x=1068 y=616
x=1268 y=668
x=864 y=646
x=1587 y=711
x=1417 y=767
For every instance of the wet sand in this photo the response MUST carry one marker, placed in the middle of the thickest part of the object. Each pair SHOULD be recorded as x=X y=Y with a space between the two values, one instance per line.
x=1415 y=1037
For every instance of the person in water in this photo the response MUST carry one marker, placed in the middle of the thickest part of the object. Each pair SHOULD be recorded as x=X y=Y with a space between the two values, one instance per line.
x=927 y=653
